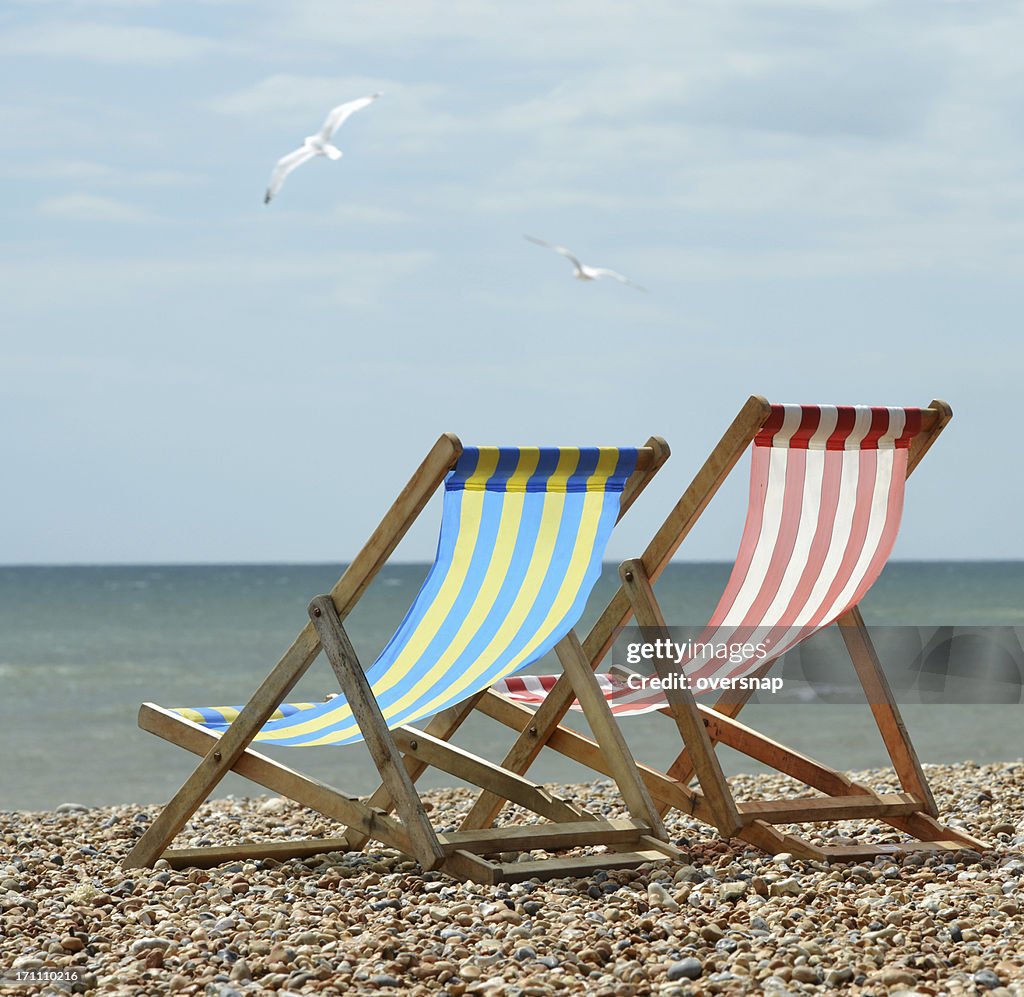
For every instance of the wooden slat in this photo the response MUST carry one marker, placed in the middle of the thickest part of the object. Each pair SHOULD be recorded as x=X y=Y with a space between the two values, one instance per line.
x=374 y=729
x=480 y=772
x=296 y=660
x=756 y=745
x=467 y=866
x=651 y=458
x=934 y=420
x=278 y=778
x=769 y=839
x=584 y=865
x=859 y=853
x=245 y=851
x=827 y=808
x=927 y=828
x=527 y=837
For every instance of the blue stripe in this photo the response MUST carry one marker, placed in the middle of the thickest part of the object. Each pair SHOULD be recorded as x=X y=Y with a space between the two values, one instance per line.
x=465 y=466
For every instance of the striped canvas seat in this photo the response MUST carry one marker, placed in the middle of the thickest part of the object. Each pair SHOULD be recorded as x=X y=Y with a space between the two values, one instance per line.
x=826 y=496
x=523 y=532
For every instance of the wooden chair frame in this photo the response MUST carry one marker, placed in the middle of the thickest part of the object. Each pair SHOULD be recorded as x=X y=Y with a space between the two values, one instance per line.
x=913 y=811
x=402 y=754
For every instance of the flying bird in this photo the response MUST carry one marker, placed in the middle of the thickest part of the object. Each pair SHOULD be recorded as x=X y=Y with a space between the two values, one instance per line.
x=580 y=270
x=316 y=145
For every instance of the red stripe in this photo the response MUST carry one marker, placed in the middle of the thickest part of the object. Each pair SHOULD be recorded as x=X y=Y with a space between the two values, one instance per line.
x=845 y=421
x=810 y=419
x=879 y=427
x=770 y=426
x=911 y=429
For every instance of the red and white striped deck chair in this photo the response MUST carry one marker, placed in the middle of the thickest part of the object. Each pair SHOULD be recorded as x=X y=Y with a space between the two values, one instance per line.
x=826 y=496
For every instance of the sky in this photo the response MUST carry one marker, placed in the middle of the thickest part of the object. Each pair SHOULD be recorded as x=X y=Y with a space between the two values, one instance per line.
x=825 y=199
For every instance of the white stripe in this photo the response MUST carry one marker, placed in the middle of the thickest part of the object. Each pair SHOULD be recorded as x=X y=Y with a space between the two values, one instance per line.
x=826 y=427
x=861 y=425
x=791 y=419
x=534 y=686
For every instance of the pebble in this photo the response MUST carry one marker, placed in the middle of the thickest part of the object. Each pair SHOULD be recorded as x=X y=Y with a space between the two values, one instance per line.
x=986 y=978
x=685 y=969
x=731 y=892
x=785 y=888
x=658 y=896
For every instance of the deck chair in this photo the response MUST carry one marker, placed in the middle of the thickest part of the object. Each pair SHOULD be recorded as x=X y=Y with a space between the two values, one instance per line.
x=826 y=495
x=522 y=534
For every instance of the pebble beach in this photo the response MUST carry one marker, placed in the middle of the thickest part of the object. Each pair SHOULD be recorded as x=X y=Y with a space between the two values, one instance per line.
x=730 y=921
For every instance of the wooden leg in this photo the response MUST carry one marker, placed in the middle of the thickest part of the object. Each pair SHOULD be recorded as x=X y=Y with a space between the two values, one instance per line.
x=607 y=733
x=727 y=706
x=374 y=729
x=883 y=706
x=682 y=705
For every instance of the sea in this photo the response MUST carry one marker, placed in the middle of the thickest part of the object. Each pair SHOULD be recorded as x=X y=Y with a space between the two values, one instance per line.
x=81 y=647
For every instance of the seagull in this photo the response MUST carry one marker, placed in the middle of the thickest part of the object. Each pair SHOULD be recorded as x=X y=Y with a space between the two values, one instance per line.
x=316 y=145
x=580 y=270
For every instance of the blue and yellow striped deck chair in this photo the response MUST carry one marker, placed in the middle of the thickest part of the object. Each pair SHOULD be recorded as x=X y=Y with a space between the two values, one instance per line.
x=523 y=531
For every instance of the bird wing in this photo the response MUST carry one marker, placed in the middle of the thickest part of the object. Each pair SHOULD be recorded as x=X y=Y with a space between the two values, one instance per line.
x=558 y=249
x=615 y=275
x=341 y=112
x=284 y=166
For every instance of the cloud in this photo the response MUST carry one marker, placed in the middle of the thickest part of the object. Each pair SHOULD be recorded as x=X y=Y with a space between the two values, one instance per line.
x=105 y=43
x=92 y=208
